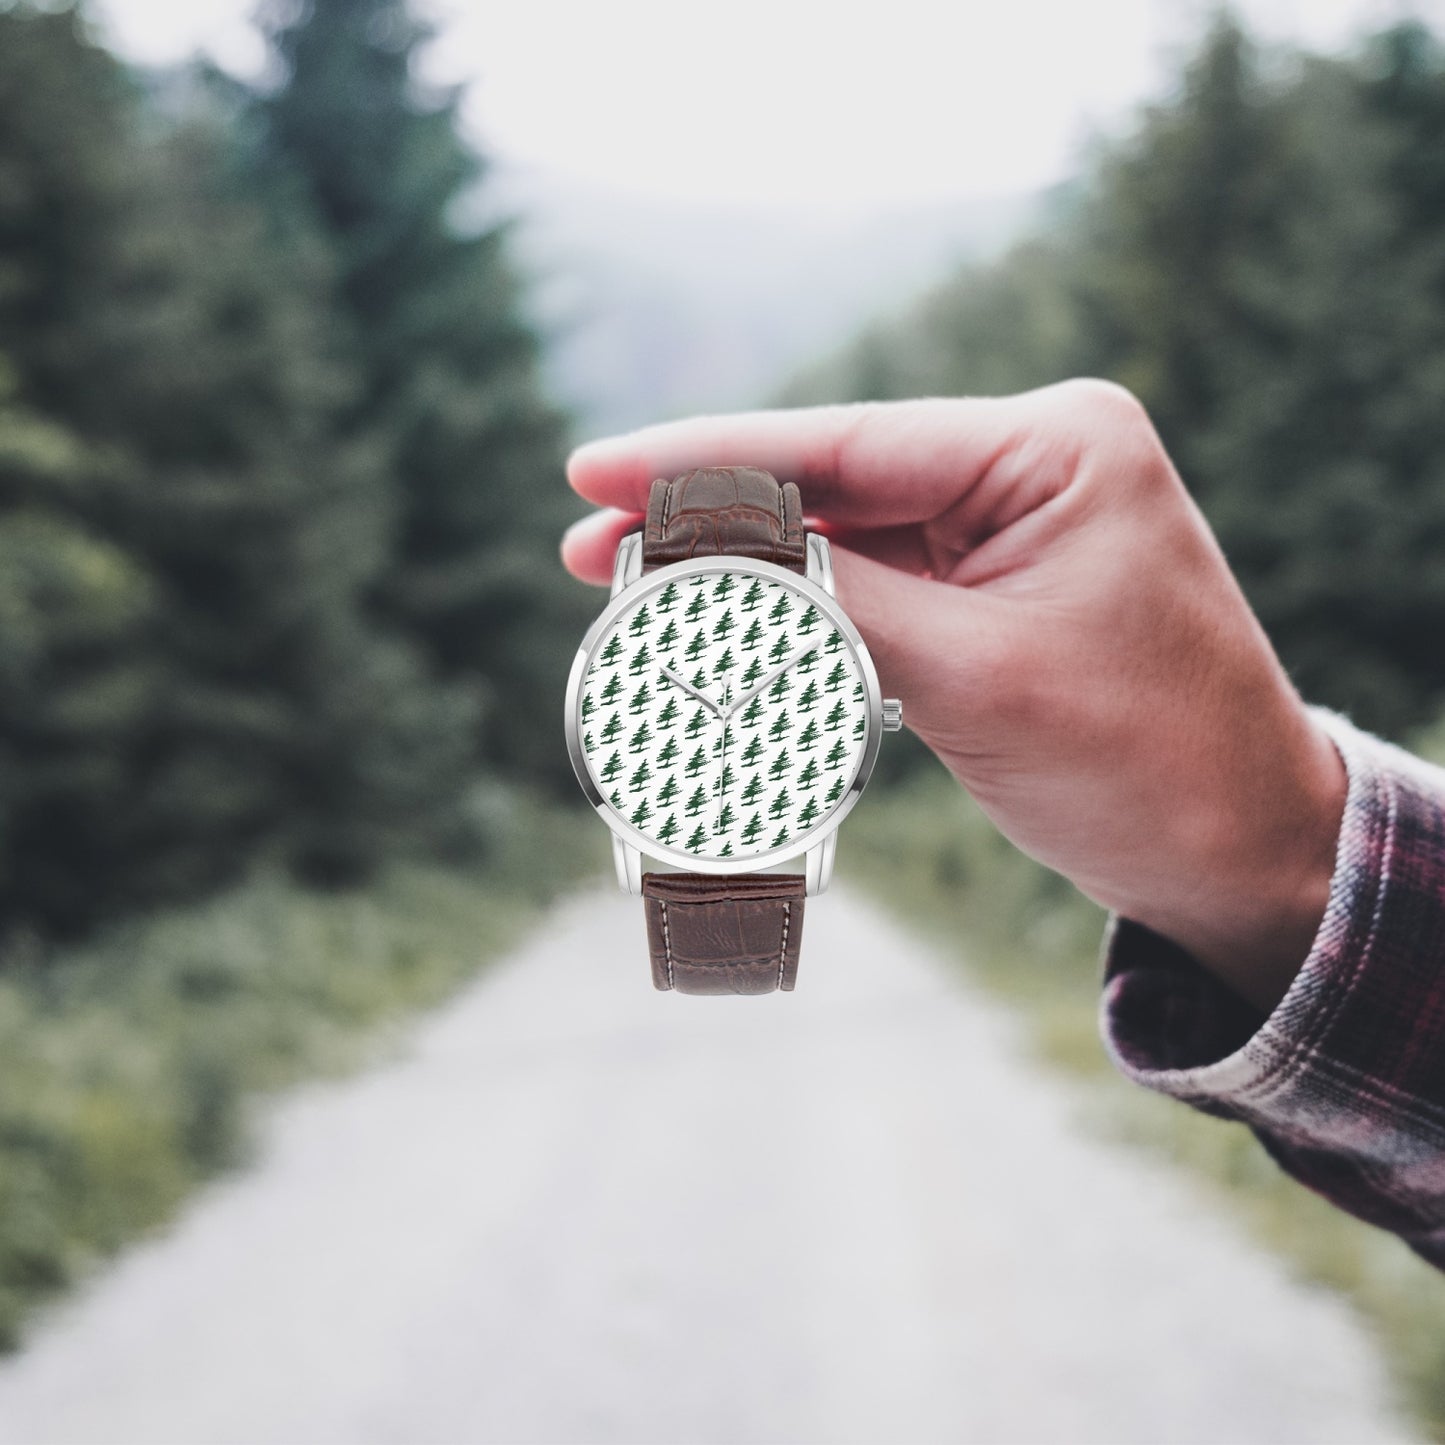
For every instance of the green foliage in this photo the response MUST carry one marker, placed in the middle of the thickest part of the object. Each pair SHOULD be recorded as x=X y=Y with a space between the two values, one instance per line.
x=128 y=1066
x=237 y=702
x=450 y=385
x=1261 y=262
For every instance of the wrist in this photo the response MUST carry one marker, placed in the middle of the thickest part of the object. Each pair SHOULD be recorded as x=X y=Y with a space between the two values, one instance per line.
x=1256 y=880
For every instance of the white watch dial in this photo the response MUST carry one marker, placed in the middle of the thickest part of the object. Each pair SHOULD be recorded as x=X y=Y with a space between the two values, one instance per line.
x=723 y=715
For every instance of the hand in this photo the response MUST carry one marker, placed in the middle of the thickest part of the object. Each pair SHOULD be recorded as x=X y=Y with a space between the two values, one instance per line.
x=776 y=673
x=1037 y=586
x=702 y=697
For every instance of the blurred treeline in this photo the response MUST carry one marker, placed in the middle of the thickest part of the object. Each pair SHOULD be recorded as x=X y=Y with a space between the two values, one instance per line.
x=1263 y=263
x=279 y=485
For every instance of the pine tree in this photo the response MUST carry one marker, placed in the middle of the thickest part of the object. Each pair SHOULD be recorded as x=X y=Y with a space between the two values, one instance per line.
x=753 y=791
x=724 y=626
x=696 y=607
x=808 y=622
x=837 y=677
x=808 y=738
x=752 y=713
x=780 y=610
x=613 y=690
x=725 y=781
x=697 y=762
x=753 y=751
x=697 y=840
x=809 y=700
x=641 y=621
x=667 y=718
x=667 y=641
x=752 y=636
x=699 y=678
x=668 y=791
x=808 y=778
x=610 y=654
x=589 y=706
x=753 y=828
x=641 y=777
x=697 y=723
x=725 y=819
x=780 y=649
x=611 y=768
x=612 y=728
x=696 y=647
x=668 y=755
x=641 y=813
x=668 y=831
x=780 y=765
x=781 y=687
x=640 y=738
x=834 y=643
x=781 y=724
x=726 y=585
x=809 y=814
x=780 y=839
x=752 y=674
x=152 y=312
x=668 y=599
x=697 y=802
x=640 y=699
x=725 y=663
x=451 y=383
x=835 y=717
x=753 y=596
x=834 y=792
x=836 y=755
x=641 y=660
x=780 y=804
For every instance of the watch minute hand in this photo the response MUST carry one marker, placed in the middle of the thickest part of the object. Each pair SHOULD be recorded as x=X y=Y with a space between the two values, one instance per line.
x=703 y=698
x=744 y=698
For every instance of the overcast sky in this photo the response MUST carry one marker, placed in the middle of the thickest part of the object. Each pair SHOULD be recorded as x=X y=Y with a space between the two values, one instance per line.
x=789 y=103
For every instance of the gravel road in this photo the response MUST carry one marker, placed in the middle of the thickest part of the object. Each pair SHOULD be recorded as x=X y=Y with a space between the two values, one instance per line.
x=577 y=1211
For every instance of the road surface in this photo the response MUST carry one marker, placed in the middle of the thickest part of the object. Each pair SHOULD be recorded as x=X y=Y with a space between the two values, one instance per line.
x=577 y=1211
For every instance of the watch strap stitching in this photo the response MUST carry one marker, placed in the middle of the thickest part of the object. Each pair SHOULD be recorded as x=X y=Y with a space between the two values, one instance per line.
x=783 y=946
x=666 y=943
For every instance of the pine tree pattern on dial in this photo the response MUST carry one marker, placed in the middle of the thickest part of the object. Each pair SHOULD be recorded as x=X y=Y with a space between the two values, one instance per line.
x=779 y=763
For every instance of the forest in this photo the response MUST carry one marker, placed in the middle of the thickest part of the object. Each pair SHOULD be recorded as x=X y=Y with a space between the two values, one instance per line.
x=283 y=633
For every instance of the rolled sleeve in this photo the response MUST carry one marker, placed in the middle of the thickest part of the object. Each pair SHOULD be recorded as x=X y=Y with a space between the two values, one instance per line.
x=1344 y=1082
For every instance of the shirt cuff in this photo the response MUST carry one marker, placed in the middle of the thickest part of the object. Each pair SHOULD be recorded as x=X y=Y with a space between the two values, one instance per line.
x=1344 y=1081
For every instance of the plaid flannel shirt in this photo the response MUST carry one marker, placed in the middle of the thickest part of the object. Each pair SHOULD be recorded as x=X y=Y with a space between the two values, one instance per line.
x=1344 y=1082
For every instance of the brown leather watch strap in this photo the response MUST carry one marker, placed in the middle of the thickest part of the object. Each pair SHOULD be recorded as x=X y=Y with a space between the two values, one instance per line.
x=737 y=934
x=724 y=511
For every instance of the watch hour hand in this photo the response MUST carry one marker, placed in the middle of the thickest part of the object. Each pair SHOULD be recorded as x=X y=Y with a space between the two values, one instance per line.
x=687 y=687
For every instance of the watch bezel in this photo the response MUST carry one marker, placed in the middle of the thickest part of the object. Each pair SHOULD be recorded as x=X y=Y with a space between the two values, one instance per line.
x=707 y=566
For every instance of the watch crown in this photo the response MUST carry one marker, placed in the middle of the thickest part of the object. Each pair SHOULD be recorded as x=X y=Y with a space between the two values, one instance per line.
x=892 y=715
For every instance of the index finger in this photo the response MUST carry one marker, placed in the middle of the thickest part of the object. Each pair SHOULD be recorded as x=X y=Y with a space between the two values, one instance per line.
x=867 y=464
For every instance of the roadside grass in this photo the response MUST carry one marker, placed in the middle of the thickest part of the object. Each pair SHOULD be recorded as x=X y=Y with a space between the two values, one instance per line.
x=129 y=1067
x=925 y=851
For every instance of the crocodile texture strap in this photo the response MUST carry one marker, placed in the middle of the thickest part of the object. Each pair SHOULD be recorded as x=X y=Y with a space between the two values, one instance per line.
x=709 y=933
x=724 y=511
x=737 y=934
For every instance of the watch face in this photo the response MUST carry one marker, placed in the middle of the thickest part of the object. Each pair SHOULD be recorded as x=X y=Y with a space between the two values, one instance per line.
x=724 y=714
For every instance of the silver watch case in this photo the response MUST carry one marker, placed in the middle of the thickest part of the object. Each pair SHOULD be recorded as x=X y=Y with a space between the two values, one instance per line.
x=628 y=587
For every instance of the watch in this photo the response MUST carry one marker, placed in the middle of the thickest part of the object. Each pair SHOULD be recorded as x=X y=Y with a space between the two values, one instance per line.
x=723 y=715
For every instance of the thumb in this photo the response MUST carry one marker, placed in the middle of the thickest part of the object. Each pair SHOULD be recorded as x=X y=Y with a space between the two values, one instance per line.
x=935 y=645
